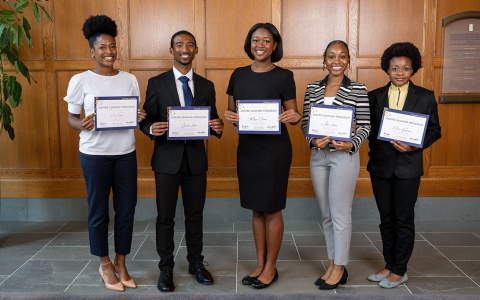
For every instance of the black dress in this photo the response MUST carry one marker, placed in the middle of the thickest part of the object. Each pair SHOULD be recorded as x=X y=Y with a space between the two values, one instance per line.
x=263 y=160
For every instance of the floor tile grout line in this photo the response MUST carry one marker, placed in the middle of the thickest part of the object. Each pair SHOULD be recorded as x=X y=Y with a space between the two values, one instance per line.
x=236 y=270
x=136 y=252
x=179 y=245
x=148 y=225
x=77 y=276
x=411 y=293
x=296 y=247
x=451 y=262
x=31 y=257
x=58 y=230
x=371 y=242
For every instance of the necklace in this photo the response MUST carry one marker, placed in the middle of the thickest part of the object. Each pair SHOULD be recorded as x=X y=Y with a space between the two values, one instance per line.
x=254 y=68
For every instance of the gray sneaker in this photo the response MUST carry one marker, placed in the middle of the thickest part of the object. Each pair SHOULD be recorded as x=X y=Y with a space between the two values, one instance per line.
x=389 y=285
x=377 y=277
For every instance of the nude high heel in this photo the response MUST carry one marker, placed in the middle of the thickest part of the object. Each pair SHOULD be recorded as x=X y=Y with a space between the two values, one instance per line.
x=126 y=283
x=114 y=287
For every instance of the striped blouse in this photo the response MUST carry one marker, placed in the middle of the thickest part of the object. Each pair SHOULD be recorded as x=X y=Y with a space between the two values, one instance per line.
x=352 y=94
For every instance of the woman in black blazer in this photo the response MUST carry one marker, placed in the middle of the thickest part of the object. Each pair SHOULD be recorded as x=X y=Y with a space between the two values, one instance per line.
x=395 y=168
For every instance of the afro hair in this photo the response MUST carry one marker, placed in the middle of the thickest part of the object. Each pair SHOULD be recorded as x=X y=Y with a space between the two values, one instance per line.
x=97 y=25
x=405 y=49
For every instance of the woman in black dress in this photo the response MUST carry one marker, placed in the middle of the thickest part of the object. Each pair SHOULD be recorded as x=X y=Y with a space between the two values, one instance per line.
x=263 y=160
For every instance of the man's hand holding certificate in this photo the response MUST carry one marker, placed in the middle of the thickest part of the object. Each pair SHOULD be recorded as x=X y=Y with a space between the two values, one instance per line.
x=404 y=126
x=188 y=123
x=330 y=120
x=258 y=116
x=115 y=113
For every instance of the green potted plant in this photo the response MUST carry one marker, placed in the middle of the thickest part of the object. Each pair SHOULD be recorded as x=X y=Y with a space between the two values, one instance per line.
x=14 y=28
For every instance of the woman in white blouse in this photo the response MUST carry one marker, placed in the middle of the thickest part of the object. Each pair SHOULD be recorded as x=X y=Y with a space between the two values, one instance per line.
x=108 y=158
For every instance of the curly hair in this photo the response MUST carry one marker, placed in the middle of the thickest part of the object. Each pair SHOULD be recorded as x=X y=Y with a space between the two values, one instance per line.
x=405 y=49
x=277 y=54
x=97 y=25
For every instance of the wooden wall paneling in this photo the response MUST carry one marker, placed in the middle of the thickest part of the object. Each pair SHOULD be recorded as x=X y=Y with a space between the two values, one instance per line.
x=153 y=22
x=222 y=153
x=382 y=23
x=220 y=27
x=30 y=150
x=309 y=25
x=68 y=138
x=69 y=16
x=228 y=24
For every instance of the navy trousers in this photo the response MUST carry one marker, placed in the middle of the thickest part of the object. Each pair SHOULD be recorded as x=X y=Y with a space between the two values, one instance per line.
x=396 y=198
x=103 y=173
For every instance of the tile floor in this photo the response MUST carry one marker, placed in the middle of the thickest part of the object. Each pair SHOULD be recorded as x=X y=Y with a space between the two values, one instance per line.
x=55 y=257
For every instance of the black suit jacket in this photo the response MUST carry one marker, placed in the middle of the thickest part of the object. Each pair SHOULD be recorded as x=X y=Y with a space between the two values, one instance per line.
x=162 y=93
x=385 y=160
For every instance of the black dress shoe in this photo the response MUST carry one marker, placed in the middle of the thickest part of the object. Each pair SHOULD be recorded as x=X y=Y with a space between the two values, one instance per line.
x=248 y=280
x=258 y=284
x=343 y=280
x=202 y=274
x=319 y=281
x=165 y=281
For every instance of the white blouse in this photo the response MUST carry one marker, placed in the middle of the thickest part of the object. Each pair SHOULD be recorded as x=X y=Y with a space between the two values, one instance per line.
x=82 y=90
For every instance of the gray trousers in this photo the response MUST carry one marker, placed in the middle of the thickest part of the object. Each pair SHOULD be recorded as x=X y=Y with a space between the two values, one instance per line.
x=334 y=176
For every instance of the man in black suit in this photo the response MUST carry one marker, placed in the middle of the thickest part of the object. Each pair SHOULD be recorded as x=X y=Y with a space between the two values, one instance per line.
x=179 y=163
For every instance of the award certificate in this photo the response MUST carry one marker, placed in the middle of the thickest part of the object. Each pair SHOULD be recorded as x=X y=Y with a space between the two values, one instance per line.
x=406 y=127
x=188 y=123
x=330 y=120
x=114 y=113
x=259 y=116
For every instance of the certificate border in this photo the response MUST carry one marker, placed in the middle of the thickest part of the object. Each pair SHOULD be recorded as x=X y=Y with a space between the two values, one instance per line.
x=278 y=101
x=205 y=137
x=116 y=98
x=420 y=145
x=352 y=109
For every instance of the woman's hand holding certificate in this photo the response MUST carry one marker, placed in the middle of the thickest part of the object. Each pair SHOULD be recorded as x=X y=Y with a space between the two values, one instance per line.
x=404 y=126
x=258 y=116
x=329 y=120
x=115 y=113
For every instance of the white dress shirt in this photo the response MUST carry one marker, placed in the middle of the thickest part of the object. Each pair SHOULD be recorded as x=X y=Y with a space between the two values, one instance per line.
x=179 y=85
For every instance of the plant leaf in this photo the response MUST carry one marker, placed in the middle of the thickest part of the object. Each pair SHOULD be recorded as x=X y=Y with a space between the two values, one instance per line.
x=26 y=25
x=11 y=132
x=26 y=35
x=4 y=37
x=35 y=12
x=24 y=70
x=20 y=5
x=14 y=89
x=7 y=12
x=46 y=13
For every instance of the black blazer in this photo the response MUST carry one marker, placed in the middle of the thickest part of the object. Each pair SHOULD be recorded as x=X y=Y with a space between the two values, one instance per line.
x=385 y=160
x=162 y=93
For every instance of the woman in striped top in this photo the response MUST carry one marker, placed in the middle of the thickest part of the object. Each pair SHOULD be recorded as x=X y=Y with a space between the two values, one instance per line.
x=334 y=165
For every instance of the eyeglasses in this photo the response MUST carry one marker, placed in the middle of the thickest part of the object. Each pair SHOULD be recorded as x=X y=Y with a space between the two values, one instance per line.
x=397 y=70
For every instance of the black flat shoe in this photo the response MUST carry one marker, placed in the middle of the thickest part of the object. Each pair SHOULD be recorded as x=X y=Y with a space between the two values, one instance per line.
x=343 y=280
x=248 y=280
x=201 y=273
x=260 y=285
x=319 y=281
x=165 y=281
